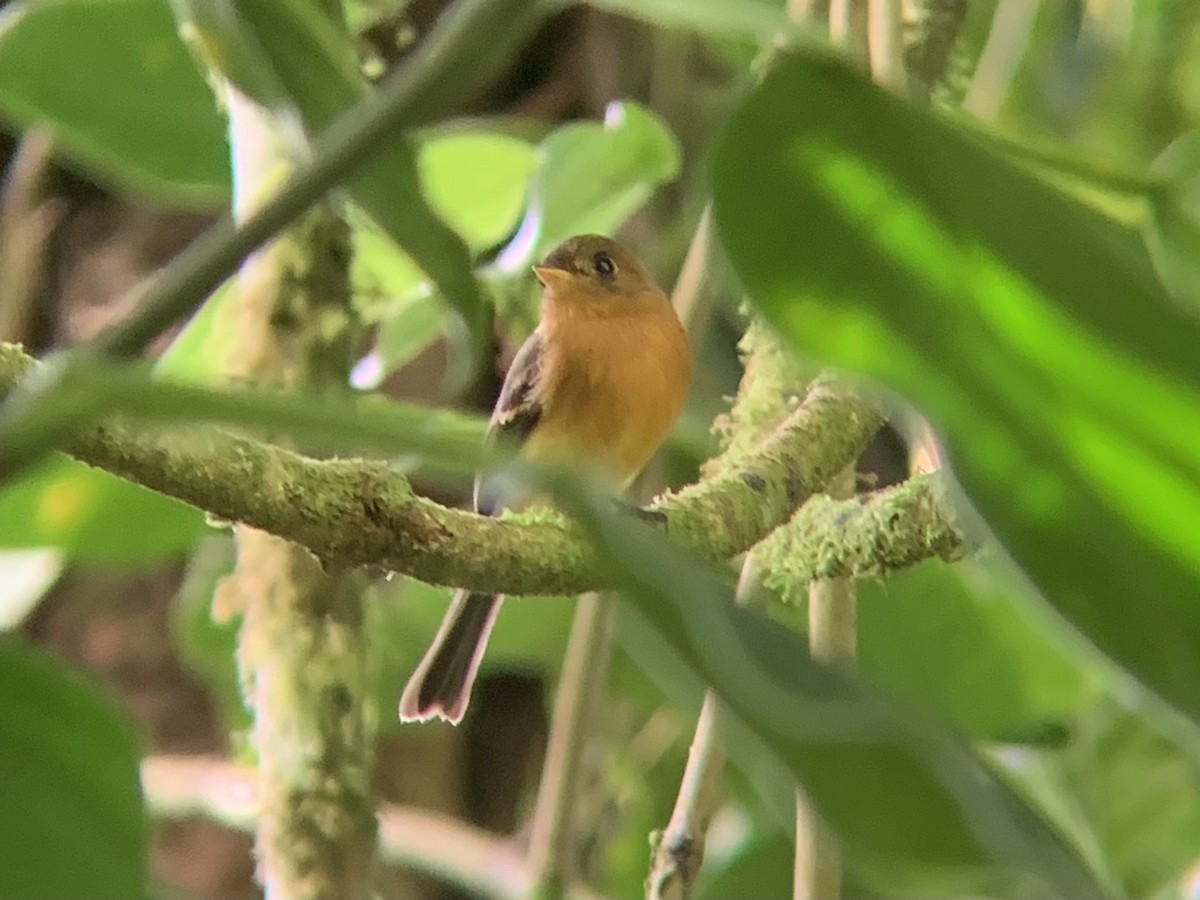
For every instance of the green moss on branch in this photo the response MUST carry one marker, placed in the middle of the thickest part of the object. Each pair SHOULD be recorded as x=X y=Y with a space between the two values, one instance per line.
x=872 y=534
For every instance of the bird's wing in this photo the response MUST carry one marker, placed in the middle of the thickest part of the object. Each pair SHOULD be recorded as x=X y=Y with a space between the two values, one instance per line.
x=517 y=409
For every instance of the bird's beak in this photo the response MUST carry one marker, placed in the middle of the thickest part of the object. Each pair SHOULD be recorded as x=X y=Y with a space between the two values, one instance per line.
x=552 y=277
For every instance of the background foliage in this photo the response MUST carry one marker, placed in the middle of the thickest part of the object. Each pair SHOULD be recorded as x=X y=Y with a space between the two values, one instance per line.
x=1023 y=272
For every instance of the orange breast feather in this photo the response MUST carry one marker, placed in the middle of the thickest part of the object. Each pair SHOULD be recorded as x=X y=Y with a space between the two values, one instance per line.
x=612 y=388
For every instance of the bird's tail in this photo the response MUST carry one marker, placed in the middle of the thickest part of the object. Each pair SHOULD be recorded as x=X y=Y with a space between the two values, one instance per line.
x=441 y=685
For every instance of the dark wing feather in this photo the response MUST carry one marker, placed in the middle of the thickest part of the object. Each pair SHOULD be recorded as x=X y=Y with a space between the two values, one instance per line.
x=518 y=409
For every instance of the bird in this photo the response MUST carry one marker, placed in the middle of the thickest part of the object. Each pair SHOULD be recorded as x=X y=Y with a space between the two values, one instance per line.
x=597 y=386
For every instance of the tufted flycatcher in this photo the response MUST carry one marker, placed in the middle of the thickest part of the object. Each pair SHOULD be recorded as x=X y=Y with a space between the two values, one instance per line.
x=597 y=386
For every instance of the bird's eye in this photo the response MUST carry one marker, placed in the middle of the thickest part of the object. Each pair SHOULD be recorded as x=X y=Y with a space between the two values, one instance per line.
x=605 y=267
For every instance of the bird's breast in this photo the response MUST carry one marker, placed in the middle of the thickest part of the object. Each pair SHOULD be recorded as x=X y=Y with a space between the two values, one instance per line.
x=613 y=388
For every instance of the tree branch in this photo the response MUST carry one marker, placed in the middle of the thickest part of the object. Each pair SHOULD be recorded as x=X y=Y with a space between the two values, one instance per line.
x=361 y=512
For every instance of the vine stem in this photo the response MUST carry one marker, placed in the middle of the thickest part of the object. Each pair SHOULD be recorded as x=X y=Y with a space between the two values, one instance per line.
x=469 y=858
x=580 y=696
x=678 y=850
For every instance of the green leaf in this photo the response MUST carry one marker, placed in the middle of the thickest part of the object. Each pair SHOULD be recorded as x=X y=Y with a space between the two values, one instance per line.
x=477 y=181
x=70 y=800
x=120 y=93
x=592 y=176
x=961 y=643
x=883 y=239
x=888 y=781
x=91 y=515
x=404 y=334
x=718 y=18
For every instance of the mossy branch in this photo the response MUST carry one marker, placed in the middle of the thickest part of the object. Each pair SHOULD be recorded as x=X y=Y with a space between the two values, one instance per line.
x=360 y=512
x=871 y=534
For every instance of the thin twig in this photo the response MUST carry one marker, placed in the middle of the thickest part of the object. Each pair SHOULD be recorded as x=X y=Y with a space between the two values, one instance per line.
x=885 y=43
x=692 y=301
x=848 y=27
x=580 y=692
x=832 y=639
x=471 y=859
x=678 y=851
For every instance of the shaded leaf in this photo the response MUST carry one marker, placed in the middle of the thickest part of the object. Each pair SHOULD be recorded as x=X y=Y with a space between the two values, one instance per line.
x=888 y=781
x=760 y=866
x=885 y=240
x=1139 y=786
x=957 y=641
x=120 y=93
x=70 y=800
x=477 y=181
x=198 y=354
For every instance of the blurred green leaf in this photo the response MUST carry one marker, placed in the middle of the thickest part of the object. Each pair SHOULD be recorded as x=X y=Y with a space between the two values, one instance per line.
x=889 y=782
x=956 y=641
x=91 y=515
x=70 y=799
x=1140 y=788
x=477 y=181
x=885 y=240
x=719 y=18
x=440 y=438
x=120 y=93
x=410 y=330
x=590 y=178
x=1038 y=779
x=312 y=54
